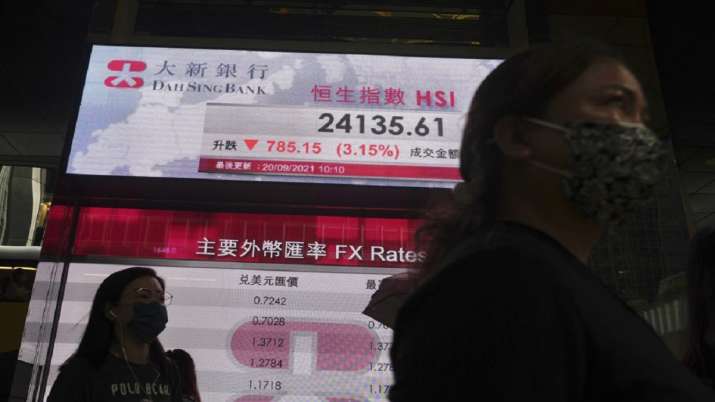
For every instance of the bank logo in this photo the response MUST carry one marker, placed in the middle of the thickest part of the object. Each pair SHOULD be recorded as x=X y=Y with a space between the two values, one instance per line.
x=125 y=74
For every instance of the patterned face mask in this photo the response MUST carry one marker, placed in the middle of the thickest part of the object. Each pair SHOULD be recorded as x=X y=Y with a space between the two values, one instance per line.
x=615 y=167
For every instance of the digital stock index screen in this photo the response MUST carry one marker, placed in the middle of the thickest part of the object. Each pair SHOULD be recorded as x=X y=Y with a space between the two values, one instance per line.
x=273 y=116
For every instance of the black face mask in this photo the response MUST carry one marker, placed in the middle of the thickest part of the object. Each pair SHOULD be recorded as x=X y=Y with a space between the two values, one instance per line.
x=149 y=321
x=616 y=167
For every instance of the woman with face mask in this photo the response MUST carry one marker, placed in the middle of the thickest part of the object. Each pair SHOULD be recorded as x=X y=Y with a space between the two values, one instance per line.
x=119 y=357
x=555 y=154
x=700 y=353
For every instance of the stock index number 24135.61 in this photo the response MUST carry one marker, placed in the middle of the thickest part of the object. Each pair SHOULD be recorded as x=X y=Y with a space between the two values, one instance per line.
x=379 y=124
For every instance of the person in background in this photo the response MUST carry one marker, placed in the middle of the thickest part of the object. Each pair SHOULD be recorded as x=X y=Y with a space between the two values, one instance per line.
x=119 y=358
x=555 y=154
x=700 y=352
x=187 y=370
x=17 y=286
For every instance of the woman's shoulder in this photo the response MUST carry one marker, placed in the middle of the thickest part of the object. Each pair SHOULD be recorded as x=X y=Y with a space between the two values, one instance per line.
x=72 y=380
x=503 y=260
x=486 y=273
x=77 y=364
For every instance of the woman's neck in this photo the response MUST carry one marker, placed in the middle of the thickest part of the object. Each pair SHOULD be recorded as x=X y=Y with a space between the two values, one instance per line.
x=134 y=352
x=576 y=234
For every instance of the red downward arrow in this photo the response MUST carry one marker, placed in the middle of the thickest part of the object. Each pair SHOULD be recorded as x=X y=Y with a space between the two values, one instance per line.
x=250 y=144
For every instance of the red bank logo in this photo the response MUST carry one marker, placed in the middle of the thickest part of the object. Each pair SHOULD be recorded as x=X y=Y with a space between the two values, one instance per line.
x=125 y=78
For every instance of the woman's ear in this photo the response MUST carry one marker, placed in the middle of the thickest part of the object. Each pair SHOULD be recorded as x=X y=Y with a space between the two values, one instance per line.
x=509 y=137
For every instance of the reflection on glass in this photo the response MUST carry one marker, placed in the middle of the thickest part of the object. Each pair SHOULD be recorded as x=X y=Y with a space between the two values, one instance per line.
x=25 y=195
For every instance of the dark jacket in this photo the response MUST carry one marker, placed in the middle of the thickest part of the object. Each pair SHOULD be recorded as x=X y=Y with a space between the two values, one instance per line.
x=514 y=316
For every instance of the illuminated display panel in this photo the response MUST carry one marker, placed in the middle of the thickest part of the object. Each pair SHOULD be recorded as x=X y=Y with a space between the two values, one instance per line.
x=269 y=306
x=273 y=116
